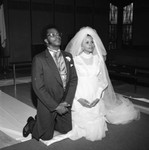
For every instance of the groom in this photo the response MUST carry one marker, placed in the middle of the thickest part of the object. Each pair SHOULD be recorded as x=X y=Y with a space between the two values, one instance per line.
x=54 y=81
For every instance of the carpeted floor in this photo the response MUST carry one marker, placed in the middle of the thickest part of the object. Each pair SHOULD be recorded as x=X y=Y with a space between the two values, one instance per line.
x=13 y=116
x=6 y=140
x=132 y=136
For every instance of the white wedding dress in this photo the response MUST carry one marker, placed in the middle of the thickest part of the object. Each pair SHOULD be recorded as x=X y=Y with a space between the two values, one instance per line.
x=91 y=123
x=88 y=122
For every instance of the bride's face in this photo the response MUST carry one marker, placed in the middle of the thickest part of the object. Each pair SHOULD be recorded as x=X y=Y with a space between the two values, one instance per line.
x=88 y=44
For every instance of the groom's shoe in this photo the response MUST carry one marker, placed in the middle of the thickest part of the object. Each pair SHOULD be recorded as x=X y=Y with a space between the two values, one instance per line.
x=27 y=128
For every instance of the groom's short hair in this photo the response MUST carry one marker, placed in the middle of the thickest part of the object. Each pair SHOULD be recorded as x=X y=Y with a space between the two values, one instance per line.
x=45 y=29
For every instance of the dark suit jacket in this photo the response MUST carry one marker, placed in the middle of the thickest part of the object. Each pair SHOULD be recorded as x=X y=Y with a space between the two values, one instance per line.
x=47 y=85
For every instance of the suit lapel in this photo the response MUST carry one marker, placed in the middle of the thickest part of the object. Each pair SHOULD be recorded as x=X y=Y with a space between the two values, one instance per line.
x=53 y=66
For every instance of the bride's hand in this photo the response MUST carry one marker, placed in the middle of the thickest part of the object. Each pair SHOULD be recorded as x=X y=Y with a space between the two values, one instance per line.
x=94 y=102
x=84 y=102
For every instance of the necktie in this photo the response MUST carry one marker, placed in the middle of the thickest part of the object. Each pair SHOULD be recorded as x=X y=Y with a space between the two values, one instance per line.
x=61 y=67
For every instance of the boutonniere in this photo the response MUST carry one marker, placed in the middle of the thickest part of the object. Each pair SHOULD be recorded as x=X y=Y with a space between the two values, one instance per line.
x=68 y=58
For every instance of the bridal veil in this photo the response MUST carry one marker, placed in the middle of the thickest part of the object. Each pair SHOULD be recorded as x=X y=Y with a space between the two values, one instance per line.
x=111 y=99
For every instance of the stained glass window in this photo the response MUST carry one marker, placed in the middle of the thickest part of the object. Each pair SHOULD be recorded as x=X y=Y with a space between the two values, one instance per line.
x=113 y=14
x=113 y=17
x=126 y=25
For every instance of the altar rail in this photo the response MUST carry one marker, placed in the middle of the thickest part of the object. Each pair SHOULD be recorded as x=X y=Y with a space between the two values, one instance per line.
x=129 y=65
x=19 y=64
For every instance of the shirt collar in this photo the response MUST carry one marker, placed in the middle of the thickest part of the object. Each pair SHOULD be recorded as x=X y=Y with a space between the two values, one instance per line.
x=53 y=50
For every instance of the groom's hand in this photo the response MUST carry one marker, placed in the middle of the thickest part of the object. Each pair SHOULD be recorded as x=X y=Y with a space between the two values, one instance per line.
x=65 y=104
x=61 y=109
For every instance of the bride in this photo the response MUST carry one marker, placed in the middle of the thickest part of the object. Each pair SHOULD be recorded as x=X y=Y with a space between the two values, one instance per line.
x=95 y=103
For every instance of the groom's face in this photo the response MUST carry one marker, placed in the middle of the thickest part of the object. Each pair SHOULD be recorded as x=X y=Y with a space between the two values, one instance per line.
x=53 y=37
